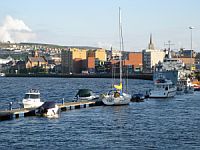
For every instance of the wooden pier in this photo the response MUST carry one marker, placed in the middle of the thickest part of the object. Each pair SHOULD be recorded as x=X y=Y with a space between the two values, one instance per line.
x=22 y=112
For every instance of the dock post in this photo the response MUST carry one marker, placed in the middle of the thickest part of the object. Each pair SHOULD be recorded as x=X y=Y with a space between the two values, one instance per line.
x=63 y=101
x=10 y=106
x=87 y=105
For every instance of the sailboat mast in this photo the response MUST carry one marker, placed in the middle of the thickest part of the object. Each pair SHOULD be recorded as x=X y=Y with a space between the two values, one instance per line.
x=120 y=41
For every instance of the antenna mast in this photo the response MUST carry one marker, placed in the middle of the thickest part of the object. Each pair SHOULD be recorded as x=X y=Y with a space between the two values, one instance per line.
x=121 y=44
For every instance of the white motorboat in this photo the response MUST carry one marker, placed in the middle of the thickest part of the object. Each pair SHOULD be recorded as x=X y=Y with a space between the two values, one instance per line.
x=163 y=88
x=117 y=96
x=49 y=109
x=86 y=95
x=32 y=99
x=2 y=74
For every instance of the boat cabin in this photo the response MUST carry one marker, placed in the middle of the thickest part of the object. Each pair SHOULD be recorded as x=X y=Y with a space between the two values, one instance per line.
x=84 y=93
x=32 y=94
x=163 y=84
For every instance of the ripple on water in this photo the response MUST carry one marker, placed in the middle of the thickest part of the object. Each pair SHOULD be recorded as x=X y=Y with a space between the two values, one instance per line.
x=153 y=124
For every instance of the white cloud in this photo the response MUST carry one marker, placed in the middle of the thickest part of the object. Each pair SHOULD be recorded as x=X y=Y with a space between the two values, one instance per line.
x=15 y=30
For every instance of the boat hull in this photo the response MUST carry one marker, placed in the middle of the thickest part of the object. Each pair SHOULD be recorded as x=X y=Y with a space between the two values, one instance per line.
x=111 y=100
x=162 y=94
x=90 y=98
x=27 y=104
x=137 y=98
x=49 y=113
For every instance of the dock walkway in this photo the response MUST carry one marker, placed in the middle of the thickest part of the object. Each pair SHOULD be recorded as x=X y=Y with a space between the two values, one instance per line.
x=22 y=112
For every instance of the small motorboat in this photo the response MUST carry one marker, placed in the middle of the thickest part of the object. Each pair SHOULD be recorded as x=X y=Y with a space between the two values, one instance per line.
x=49 y=109
x=2 y=74
x=137 y=97
x=32 y=99
x=86 y=95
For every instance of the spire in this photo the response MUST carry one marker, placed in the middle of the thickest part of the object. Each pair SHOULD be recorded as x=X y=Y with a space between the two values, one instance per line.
x=150 y=38
x=150 y=46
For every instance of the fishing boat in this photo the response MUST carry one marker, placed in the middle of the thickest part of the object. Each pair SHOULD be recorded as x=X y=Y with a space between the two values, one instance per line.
x=163 y=88
x=117 y=96
x=86 y=95
x=32 y=99
x=49 y=109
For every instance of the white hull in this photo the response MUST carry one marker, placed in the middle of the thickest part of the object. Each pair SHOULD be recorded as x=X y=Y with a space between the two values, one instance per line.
x=162 y=93
x=32 y=99
x=2 y=75
x=49 y=113
x=52 y=113
x=121 y=100
x=29 y=104
x=90 y=98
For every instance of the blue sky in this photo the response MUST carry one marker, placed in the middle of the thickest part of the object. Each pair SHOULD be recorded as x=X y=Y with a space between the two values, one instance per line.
x=95 y=22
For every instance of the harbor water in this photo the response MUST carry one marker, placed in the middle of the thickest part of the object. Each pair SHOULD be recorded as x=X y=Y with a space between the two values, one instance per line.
x=172 y=123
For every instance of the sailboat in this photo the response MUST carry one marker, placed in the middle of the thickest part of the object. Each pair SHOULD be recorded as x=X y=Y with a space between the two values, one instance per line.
x=117 y=96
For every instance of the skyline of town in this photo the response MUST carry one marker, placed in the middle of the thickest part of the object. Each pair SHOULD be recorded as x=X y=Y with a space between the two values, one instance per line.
x=95 y=23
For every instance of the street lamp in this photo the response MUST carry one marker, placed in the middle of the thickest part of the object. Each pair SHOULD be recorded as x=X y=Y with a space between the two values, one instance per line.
x=191 y=46
x=191 y=35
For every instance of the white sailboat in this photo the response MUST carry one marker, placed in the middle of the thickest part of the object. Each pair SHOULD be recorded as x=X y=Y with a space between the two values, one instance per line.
x=117 y=96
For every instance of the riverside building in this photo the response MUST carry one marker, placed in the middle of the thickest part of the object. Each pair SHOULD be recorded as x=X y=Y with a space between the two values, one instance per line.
x=151 y=57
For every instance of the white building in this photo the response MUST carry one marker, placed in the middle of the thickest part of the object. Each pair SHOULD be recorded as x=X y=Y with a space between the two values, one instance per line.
x=151 y=57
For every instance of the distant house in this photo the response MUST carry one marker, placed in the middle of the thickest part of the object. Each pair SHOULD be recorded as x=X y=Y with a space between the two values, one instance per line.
x=187 y=53
x=36 y=61
x=134 y=61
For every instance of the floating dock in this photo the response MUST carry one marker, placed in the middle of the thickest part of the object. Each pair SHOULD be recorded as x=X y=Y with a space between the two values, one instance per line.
x=22 y=112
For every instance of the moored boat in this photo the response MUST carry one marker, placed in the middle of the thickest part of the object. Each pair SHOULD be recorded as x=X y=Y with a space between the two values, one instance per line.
x=32 y=99
x=114 y=97
x=117 y=96
x=138 y=97
x=86 y=95
x=163 y=88
x=49 y=109
x=2 y=74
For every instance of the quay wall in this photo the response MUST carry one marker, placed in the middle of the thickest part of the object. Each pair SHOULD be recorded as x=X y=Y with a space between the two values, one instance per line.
x=143 y=76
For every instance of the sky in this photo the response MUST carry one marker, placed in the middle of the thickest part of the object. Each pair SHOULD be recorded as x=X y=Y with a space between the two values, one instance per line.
x=95 y=22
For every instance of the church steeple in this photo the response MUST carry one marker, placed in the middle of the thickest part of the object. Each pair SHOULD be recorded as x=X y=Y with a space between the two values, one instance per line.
x=151 y=45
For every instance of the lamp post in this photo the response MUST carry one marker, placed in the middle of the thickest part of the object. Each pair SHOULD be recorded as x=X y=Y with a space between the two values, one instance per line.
x=191 y=46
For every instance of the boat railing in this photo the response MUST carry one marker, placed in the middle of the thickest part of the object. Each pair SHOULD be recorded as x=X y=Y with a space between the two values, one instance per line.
x=33 y=91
